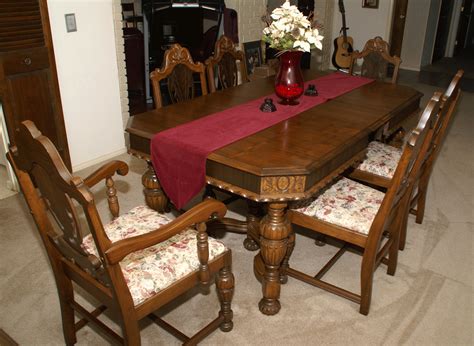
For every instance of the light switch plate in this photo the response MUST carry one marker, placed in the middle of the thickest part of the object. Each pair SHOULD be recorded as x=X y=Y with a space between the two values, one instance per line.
x=70 y=22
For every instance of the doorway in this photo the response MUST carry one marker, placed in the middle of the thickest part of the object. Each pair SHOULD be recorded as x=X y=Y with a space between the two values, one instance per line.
x=8 y=182
x=464 y=46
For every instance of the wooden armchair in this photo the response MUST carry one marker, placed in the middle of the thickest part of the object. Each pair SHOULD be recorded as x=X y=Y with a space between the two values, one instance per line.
x=364 y=217
x=382 y=159
x=376 y=56
x=124 y=264
x=178 y=68
x=224 y=62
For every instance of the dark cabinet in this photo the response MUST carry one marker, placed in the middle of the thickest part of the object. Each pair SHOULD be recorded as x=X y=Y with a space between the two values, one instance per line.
x=135 y=65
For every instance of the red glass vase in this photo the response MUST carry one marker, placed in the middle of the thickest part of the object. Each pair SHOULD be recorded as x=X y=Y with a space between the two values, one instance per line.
x=289 y=83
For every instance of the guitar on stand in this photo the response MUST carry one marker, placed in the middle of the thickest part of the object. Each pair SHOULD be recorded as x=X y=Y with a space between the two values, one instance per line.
x=341 y=59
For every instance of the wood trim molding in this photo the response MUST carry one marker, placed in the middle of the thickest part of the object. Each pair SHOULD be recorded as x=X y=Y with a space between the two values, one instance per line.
x=122 y=71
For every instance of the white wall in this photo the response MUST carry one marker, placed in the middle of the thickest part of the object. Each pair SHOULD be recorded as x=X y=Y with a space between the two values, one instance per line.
x=364 y=23
x=88 y=79
x=415 y=33
x=249 y=13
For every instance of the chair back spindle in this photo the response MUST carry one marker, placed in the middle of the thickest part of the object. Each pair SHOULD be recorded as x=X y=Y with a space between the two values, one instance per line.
x=224 y=63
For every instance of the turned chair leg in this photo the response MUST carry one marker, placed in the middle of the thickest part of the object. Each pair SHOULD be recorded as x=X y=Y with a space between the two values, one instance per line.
x=225 y=291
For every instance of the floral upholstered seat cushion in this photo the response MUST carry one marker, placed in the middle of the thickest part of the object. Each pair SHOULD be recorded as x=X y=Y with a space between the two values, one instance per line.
x=153 y=269
x=347 y=204
x=382 y=159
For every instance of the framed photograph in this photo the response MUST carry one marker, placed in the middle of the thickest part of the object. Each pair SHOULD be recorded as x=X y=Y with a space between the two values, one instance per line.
x=253 y=55
x=370 y=3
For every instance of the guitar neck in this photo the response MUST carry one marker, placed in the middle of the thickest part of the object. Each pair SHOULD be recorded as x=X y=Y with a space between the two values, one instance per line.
x=344 y=29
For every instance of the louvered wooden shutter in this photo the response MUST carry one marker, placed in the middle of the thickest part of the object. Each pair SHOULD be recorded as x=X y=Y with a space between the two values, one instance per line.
x=20 y=25
x=29 y=86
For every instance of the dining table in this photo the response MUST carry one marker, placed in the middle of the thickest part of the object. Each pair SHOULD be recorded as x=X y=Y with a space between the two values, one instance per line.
x=282 y=164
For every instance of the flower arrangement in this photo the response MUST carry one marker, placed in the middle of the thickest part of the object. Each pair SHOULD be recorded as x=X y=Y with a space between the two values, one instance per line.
x=288 y=29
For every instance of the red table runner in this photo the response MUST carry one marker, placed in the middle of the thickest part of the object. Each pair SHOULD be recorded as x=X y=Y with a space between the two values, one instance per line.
x=179 y=154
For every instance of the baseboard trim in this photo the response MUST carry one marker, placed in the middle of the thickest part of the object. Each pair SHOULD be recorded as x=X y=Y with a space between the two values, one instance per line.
x=99 y=159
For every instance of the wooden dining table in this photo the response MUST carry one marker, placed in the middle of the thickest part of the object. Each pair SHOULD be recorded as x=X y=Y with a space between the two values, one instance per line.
x=287 y=162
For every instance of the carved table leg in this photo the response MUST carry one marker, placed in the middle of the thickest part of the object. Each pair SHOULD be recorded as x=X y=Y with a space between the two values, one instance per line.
x=154 y=196
x=286 y=259
x=254 y=215
x=274 y=230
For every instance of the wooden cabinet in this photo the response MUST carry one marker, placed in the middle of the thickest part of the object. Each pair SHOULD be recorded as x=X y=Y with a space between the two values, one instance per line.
x=28 y=81
x=135 y=64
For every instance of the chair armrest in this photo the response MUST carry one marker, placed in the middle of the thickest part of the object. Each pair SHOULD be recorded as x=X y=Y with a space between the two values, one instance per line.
x=106 y=171
x=203 y=212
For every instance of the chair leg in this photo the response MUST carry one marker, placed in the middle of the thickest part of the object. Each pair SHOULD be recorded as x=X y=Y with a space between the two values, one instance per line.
x=131 y=332
x=66 y=295
x=366 y=281
x=286 y=260
x=225 y=291
x=420 y=203
x=403 y=226
x=394 y=248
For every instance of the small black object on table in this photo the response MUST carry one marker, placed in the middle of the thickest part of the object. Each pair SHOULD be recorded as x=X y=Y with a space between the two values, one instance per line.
x=268 y=106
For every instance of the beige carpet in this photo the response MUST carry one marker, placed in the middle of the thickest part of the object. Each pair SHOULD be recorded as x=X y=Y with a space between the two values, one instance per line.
x=428 y=302
x=5 y=191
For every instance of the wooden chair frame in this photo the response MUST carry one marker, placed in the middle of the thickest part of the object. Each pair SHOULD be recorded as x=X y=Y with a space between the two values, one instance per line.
x=383 y=236
x=225 y=45
x=37 y=165
x=174 y=56
x=379 y=46
x=448 y=105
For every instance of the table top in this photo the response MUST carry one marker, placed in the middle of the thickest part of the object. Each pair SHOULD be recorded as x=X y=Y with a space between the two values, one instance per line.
x=293 y=158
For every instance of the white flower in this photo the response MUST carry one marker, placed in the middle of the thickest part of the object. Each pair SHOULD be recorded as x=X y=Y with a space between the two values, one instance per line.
x=291 y=30
x=302 y=44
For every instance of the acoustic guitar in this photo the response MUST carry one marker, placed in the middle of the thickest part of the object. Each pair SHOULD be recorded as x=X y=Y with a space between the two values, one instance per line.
x=341 y=59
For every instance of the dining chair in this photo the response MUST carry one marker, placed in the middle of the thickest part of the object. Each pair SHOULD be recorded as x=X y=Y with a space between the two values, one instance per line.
x=224 y=63
x=376 y=57
x=382 y=159
x=364 y=218
x=133 y=265
x=177 y=70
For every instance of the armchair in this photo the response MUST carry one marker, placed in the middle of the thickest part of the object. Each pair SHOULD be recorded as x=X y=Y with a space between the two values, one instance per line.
x=133 y=265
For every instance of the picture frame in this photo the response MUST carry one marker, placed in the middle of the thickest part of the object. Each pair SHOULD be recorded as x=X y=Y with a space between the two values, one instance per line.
x=253 y=55
x=370 y=3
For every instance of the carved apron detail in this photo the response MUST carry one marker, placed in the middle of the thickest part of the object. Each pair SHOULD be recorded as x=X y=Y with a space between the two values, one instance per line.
x=294 y=184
